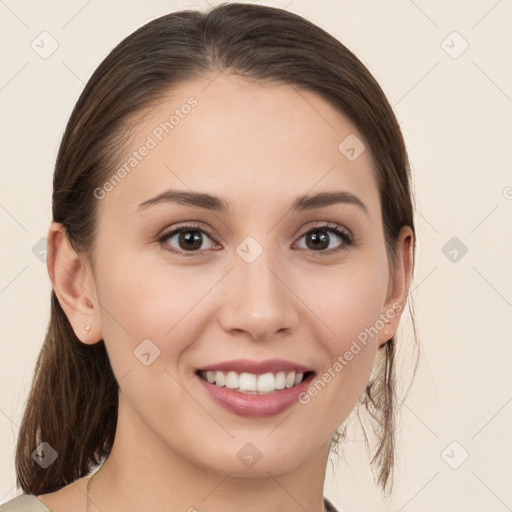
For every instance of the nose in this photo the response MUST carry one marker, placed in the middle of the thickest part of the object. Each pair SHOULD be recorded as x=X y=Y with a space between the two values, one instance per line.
x=260 y=302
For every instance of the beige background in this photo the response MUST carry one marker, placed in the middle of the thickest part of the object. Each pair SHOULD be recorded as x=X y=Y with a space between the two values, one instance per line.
x=456 y=115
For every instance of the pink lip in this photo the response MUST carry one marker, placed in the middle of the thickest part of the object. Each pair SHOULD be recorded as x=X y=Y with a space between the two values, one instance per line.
x=256 y=405
x=257 y=367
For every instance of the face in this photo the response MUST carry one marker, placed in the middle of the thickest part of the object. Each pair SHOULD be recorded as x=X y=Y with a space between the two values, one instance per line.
x=257 y=280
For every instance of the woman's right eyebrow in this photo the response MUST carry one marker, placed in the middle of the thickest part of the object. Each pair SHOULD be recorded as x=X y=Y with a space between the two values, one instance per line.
x=218 y=204
x=184 y=197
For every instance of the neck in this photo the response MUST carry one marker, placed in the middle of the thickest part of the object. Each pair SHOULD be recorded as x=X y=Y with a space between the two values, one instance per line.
x=144 y=475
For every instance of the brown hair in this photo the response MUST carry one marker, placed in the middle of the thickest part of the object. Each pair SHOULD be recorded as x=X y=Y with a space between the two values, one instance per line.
x=72 y=404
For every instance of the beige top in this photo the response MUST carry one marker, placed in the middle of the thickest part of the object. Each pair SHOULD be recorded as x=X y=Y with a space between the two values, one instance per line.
x=24 y=503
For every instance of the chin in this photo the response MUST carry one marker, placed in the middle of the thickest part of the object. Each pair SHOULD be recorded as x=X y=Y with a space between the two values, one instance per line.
x=252 y=462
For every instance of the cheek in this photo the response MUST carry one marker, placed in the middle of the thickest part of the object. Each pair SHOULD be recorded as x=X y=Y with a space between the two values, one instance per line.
x=142 y=300
x=356 y=307
x=348 y=299
x=350 y=306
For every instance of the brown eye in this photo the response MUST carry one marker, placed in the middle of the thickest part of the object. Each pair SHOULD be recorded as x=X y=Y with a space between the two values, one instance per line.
x=320 y=239
x=317 y=240
x=189 y=239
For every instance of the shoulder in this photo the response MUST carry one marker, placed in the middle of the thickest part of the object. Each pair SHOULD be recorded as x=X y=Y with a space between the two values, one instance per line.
x=69 y=497
x=24 y=503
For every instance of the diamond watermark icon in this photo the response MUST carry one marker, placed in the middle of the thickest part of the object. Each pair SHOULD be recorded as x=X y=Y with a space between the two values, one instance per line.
x=45 y=45
x=351 y=147
x=454 y=249
x=454 y=45
x=39 y=249
x=249 y=455
x=454 y=455
x=146 y=352
x=249 y=249
x=44 y=455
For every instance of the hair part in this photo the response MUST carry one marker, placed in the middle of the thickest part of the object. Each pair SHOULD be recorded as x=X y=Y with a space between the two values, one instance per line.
x=73 y=381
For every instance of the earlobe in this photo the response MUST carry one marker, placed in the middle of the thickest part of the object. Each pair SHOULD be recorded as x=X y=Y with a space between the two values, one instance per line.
x=73 y=283
x=399 y=284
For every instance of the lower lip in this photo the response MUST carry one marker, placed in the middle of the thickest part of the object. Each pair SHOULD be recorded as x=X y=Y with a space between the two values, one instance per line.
x=256 y=405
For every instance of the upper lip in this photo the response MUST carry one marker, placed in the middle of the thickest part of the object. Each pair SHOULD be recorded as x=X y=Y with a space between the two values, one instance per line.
x=256 y=367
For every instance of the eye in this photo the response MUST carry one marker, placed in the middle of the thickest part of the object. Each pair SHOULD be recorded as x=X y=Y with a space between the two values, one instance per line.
x=189 y=238
x=318 y=239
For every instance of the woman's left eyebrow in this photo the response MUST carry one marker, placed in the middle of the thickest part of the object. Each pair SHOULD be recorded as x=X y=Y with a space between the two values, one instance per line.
x=218 y=204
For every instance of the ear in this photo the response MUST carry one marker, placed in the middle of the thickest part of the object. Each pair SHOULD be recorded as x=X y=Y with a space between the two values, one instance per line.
x=73 y=282
x=399 y=282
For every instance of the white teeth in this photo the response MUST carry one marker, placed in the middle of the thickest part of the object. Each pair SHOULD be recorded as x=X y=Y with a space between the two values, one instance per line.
x=266 y=383
x=220 y=379
x=246 y=381
x=281 y=380
x=231 y=380
x=253 y=384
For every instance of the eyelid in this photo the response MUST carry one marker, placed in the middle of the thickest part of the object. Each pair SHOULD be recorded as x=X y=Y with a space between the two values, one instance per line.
x=330 y=226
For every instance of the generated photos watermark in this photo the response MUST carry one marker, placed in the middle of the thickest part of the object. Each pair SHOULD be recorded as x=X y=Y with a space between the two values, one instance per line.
x=342 y=360
x=156 y=136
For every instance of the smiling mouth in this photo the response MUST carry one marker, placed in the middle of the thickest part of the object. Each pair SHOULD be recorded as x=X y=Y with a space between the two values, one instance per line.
x=252 y=384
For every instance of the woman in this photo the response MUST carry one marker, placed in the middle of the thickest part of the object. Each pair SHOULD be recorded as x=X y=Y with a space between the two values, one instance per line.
x=231 y=252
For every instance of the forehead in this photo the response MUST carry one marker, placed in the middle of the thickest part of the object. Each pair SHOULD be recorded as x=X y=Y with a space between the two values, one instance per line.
x=244 y=140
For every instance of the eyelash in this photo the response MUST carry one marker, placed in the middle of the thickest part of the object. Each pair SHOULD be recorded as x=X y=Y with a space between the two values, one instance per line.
x=342 y=233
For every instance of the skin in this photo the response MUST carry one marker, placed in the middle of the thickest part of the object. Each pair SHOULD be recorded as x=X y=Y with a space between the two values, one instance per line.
x=175 y=448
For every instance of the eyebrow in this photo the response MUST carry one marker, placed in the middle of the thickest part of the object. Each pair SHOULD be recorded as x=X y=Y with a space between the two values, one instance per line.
x=217 y=204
